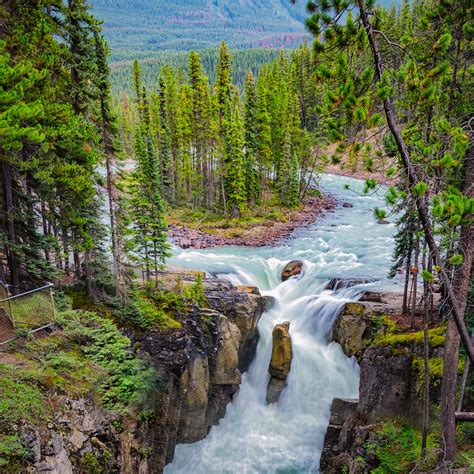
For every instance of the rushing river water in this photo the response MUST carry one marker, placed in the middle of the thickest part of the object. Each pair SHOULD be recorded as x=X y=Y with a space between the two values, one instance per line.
x=287 y=437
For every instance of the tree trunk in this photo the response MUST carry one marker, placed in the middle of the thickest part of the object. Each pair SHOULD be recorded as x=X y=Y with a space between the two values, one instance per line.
x=421 y=204
x=45 y=228
x=415 y=283
x=109 y=159
x=426 y=366
x=451 y=347
x=464 y=416
x=13 y=263
x=465 y=375
x=407 y=281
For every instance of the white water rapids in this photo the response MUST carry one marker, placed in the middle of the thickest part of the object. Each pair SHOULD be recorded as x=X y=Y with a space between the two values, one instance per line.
x=287 y=437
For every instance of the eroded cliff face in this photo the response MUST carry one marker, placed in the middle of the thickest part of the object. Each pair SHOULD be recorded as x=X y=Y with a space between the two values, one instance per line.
x=391 y=380
x=198 y=371
x=200 y=366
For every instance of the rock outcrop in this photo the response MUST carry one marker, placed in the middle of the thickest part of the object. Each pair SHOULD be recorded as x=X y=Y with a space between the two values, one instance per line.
x=343 y=412
x=390 y=384
x=280 y=363
x=292 y=268
x=79 y=434
x=200 y=366
x=198 y=370
x=353 y=328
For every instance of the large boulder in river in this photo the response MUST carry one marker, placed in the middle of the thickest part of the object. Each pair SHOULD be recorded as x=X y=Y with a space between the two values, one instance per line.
x=291 y=269
x=352 y=329
x=280 y=363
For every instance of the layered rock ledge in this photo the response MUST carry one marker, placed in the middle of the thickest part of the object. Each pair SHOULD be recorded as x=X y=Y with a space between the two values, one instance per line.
x=198 y=370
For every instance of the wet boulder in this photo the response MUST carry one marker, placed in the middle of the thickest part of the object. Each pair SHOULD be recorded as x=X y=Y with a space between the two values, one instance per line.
x=347 y=204
x=340 y=283
x=353 y=328
x=280 y=363
x=185 y=243
x=291 y=269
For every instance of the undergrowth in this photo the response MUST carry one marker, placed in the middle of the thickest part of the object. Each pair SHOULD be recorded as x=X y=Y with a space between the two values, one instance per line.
x=398 y=449
x=149 y=306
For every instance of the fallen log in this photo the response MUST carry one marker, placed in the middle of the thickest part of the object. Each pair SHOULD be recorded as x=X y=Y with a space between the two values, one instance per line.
x=464 y=416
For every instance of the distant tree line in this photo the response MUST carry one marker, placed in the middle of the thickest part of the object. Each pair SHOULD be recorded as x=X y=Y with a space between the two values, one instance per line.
x=243 y=61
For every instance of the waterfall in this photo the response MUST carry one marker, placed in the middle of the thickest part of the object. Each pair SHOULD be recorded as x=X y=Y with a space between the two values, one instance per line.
x=287 y=437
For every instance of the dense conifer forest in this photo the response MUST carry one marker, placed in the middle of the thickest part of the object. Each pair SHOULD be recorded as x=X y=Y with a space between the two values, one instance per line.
x=95 y=158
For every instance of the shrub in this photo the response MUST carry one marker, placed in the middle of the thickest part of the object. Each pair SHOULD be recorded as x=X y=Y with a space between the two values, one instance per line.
x=195 y=292
x=12 y=453
x=127 y=377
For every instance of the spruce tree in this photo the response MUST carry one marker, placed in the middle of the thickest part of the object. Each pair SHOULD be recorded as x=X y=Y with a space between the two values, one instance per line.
x=109 y=129
x=234 y=159
x=252 y=184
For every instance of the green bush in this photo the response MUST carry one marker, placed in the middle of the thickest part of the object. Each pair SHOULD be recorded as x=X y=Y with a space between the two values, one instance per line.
x=13 y=453
x=126 y=376
x=195 y=292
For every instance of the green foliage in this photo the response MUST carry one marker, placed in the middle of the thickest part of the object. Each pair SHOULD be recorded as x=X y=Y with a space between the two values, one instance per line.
x=399 y=449
x=13 y=453
x=20 y=401
x=380 y=213
x=427 y=276
x=91 y=464
x=127 y=378
x=195 y=292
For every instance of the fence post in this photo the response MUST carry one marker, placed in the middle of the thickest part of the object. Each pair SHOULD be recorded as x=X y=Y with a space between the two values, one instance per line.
x=51 y=297
x=12 y=318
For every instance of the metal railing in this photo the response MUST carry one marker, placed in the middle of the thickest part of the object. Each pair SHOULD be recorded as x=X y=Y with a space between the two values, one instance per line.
x=29 y=310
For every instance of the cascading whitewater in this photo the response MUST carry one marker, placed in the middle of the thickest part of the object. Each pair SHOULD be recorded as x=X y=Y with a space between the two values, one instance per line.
x=287 y=437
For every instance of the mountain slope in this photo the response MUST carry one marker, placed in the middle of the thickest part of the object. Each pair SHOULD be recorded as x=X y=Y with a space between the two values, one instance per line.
x=143 y=27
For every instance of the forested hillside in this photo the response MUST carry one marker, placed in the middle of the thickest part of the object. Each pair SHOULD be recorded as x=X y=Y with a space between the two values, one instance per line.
x=243 y=60
x=140 y=28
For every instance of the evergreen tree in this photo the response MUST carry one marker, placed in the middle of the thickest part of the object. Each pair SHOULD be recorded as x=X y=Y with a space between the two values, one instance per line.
x=234 y=159
x=252 y=185
x=109 y=129
x=147 y=239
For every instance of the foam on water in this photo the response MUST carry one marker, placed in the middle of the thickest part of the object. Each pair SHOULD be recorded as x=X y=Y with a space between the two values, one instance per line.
x=287 y=437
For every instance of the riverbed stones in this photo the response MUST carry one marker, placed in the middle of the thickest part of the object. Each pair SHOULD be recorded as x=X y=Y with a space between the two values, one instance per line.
x=280 y=363
x=292 y=268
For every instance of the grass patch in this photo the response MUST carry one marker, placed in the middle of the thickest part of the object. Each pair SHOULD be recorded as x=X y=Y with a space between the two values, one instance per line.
x=20 y=401
x=156 y=307
x=32 y=310
x=212 y=223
